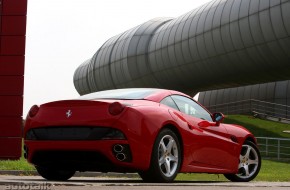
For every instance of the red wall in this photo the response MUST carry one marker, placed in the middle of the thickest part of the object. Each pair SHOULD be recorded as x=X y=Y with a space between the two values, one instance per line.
x=12 y=51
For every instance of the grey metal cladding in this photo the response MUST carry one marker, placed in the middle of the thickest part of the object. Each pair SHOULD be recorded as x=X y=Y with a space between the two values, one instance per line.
x=281 y=89
x=179 y=26
x=288 y=93
x=244 y=64
x=285 y=7
x=178 y=54
x=262 y=92
x=209 y=19
x=235 y=10
x=277 y=22
x=275 y=92
x=219 y=97
x=254 y=6
x=223 y=43
x=80 y=79
x=193 y=26
x=235 y=34
x=285 y=45
x=225 y=19
x=132 y=50
x=245 y=32
x=240 y=93
x=209 y=44
x=186 y=52
x=264 y=4
x=274 y=2
x=218 y=43
x=152 y=45
x=171 y=38
x=278 y=53
x=172 y=57
x=201 y=97
x=160 y=36
x=266 y=25
x=218 y=14
x=200 y=47
x=206 y=100
x=226 y=38
x=233 y=94
x=244 y=8
x=200 y=23
x=254 y=55
x=270 y=91
x=256 y=30
x=226 y=95
x=255 y=91
x=193 y=48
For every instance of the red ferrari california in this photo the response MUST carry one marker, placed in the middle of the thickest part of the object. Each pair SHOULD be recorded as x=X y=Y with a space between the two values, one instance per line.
x=157 y=133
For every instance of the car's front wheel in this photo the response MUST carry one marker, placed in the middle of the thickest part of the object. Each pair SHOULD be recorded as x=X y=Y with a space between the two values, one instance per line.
x=249 y=165
x=53 y=174
x=165 y=160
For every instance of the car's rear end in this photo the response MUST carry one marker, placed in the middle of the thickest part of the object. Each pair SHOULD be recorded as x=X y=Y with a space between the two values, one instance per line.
x=79 y=135
x=106 y=131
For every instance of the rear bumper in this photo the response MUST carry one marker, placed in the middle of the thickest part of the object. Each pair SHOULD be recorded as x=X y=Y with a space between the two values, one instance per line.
x=139 y=132
x=84 y=155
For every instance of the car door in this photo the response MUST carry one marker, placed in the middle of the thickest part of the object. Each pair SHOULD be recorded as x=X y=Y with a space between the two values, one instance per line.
x=211 y=146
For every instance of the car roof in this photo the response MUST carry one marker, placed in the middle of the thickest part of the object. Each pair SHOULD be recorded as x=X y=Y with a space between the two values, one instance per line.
x=160 y=95
x=152 y=94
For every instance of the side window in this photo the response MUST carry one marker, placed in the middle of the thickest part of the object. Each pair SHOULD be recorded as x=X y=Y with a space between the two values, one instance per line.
x=190 y=107
x=169 y=102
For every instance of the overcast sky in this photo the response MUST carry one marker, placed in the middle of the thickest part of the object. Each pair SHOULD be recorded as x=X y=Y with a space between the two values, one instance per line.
x=61 y=34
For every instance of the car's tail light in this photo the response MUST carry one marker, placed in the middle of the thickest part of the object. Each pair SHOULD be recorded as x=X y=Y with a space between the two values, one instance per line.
x=33 y=111
x=116 y=108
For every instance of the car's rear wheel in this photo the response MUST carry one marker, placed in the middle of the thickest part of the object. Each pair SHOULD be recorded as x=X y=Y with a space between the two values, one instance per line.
x=165 y=159
x=53 y=174
x=249 y=165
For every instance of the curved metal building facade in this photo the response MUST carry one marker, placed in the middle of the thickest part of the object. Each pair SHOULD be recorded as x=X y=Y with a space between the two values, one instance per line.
x=276 y=92
x=224 y=43
x=121 y=62
x=232 y=99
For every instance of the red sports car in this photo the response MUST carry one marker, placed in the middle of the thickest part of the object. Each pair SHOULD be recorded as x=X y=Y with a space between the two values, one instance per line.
x=157 y=133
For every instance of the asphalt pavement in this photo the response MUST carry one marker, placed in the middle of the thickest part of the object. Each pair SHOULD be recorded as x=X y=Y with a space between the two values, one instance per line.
x=12 y=182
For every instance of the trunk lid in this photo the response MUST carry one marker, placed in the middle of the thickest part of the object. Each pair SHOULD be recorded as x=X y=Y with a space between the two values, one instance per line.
x=75 y=112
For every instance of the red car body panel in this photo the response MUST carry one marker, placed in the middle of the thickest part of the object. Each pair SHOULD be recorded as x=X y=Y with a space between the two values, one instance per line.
x=212 y=149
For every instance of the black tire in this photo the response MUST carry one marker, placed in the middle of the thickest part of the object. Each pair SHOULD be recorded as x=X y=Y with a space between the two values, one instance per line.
x=165 y=159
x=250 y=161
x=54 y=175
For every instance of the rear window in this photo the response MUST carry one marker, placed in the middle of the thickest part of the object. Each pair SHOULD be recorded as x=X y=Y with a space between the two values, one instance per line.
x=122 y=94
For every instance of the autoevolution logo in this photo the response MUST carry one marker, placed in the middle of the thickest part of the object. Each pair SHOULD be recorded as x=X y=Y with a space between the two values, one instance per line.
x=43 y=186
x=68 y=113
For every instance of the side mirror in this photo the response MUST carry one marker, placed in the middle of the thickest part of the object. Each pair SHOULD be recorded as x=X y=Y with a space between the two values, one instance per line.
x=218 y=118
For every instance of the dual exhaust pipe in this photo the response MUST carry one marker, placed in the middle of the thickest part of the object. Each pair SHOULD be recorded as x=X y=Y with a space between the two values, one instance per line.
x=121 y=152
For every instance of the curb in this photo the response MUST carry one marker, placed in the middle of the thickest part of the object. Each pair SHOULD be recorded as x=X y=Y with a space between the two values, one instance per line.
x=77 y=174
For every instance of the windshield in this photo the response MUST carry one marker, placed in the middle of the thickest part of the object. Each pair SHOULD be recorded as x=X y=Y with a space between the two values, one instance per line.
x=123 y=94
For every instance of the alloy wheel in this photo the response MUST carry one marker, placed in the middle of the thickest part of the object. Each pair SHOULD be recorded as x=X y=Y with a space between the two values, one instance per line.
x=168 y=156
x=249 y=162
